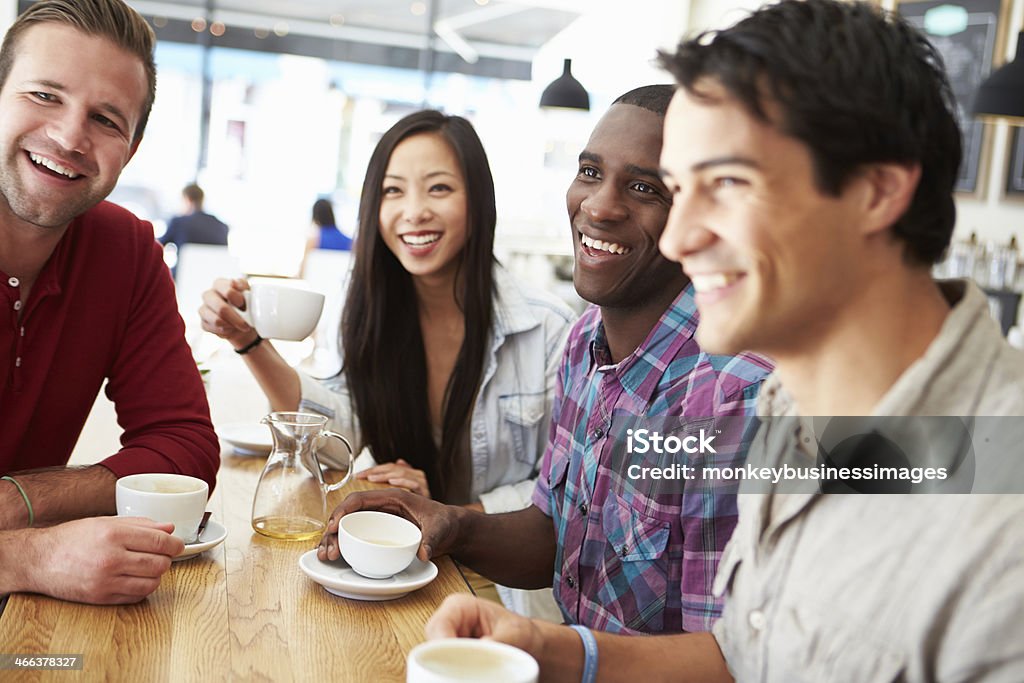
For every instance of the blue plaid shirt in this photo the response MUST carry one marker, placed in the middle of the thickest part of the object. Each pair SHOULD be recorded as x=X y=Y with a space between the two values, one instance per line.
x=628 y=560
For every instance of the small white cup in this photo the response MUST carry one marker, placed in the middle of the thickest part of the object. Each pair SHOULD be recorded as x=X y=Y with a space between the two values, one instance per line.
x=377 y=545
x=1015 y=337
x=452 y=660
x=286 y=309
x=174 y=498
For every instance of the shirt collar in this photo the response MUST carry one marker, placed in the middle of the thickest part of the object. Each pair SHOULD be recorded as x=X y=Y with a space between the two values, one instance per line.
x=955 y=350
x=674 y=328
x=512 y=312
x=49 y=280
x=967 y=340
x=773 y=399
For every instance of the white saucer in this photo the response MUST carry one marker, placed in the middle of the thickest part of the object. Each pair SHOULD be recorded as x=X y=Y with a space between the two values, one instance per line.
x=247 y=438
x=340 y=579
x=212 y=535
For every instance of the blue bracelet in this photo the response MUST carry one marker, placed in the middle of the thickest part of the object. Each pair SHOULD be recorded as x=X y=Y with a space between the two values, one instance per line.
x=589 y=653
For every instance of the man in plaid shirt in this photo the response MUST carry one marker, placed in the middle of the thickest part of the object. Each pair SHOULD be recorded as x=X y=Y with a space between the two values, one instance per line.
x=628 y=558
x=623 y=559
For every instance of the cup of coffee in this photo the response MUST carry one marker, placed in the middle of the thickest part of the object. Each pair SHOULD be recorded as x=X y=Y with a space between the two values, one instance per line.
x=466 y=659
x=174 y=498
x=377 y=545
x=282 y=309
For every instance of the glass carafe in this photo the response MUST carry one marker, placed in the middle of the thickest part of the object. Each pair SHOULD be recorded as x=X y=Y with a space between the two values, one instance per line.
x=291 y=496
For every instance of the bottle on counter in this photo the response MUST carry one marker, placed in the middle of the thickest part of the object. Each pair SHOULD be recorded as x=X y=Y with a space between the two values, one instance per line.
x=1017 y=276
x=1000 y=266
x=961 y=258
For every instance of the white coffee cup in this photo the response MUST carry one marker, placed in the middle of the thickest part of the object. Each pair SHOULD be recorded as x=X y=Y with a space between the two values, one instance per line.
x=1015 y=337
x=282 y=309
x=377 y=545
x=452 y=660
x=174 y=498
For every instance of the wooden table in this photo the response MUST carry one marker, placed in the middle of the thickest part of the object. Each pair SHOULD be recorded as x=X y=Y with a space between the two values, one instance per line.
x=241 y=611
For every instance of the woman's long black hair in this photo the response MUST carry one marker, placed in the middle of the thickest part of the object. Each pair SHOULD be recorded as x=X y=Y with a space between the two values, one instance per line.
x=385 y=363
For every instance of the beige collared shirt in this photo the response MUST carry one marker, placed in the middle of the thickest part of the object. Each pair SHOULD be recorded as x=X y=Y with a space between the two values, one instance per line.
x=887 y=587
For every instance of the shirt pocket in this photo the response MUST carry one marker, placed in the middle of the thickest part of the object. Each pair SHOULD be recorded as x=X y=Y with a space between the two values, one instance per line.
x=559 y=468
x=636 y=572
x=521 y=418
x=817 y=642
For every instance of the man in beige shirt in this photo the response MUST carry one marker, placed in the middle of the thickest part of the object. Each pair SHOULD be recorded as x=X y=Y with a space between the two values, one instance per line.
x=812 y=151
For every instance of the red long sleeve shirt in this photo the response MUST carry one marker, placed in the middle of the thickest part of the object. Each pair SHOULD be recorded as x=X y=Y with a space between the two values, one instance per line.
x=103 y=307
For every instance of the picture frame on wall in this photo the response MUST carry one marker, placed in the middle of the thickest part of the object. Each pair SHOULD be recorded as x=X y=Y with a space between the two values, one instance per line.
x=1015 y=168
x=969 y=34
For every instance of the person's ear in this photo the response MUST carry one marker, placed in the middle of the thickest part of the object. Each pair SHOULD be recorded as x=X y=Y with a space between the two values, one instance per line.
x=890 y=189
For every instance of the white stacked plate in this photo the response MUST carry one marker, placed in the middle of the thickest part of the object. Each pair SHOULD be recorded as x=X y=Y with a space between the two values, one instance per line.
x=247 y=438
x=340 y=579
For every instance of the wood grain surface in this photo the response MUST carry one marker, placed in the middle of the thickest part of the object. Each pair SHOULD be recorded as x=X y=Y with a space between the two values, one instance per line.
x=242 y=611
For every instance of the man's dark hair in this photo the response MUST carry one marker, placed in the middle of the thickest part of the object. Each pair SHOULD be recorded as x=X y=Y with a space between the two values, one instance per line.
x=854 y=83
x=194 y=194
x=653 y=98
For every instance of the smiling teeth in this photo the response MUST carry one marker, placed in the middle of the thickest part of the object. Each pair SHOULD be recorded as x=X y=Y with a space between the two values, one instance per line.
x=52 y=165
x=420 y=240
x=610 y=247
x=712 y=281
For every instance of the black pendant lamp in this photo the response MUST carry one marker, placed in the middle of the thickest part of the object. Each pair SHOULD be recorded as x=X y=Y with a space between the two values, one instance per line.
x=1002 y=93
x=566 y=92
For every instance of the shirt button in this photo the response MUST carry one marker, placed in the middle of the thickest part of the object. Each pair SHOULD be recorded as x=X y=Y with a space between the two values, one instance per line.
x=17 y=362
x=13 y=282
x=570 y=581
x=757 y=620
x=17 y=305
x=623 y=550
x=583 y=509
x=598 y=433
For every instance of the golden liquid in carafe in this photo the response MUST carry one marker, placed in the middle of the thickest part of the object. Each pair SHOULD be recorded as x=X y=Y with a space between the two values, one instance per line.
x=289 y=528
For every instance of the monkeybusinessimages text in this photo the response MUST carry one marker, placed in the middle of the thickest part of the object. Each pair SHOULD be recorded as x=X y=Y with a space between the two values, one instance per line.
x=647 y=442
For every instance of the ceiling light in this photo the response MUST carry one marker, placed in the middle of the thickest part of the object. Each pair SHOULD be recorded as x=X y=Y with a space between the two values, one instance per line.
x=1001 y=96
x=566 y=92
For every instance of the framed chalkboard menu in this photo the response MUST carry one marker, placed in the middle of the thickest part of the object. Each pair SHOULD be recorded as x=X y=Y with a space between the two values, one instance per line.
x=967 y=35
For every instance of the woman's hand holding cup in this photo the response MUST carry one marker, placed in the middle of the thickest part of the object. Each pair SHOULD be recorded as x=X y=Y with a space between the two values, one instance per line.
x=275 y=308
x=220 y=311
